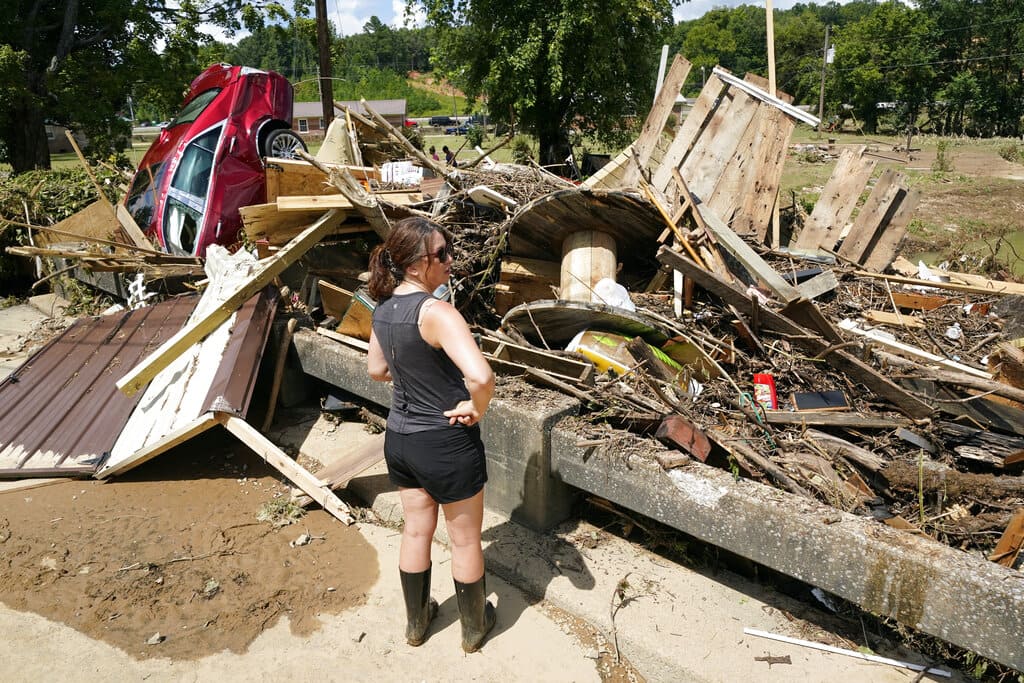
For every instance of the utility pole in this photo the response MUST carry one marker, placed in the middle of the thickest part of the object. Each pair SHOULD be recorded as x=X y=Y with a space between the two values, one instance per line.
x=821 y=94
x=324 y=48
x=769 y=17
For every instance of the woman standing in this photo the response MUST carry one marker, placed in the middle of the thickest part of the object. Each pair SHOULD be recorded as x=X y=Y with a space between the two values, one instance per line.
x=442 y=387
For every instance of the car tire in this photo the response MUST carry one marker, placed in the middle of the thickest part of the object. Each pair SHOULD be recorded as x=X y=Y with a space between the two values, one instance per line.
x=283 y=143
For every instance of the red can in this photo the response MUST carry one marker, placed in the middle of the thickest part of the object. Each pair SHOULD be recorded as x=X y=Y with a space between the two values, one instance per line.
x=764 y=391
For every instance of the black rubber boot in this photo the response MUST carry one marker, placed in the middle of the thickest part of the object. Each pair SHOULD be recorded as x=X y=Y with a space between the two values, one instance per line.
x=420 y=608
x=475 y=613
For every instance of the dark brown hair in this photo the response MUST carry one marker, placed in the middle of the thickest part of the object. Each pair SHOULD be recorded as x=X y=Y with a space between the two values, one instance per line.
x=406 y=243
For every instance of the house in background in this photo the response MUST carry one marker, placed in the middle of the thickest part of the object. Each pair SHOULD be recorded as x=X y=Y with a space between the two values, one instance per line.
x=57 y=139
x=308 y=120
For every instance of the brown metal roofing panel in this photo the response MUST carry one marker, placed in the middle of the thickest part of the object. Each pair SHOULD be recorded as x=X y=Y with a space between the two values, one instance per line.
x=61 y=409
x=231 y=389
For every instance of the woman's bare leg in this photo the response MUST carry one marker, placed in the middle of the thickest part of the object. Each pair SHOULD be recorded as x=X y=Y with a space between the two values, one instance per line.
x=420 y=522
x=464 y=519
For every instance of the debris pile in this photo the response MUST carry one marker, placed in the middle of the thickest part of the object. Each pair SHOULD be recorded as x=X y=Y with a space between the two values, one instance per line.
x=663 y=295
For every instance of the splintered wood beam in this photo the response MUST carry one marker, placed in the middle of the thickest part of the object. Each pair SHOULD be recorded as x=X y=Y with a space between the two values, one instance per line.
x=131 y=229
x=801 y=336
x=146 y=370
x=276 y=458
x=742 y=252
x=654 y=126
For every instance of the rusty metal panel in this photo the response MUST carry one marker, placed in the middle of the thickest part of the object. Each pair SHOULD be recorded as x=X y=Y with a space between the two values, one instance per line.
x=61 y=411
x=231 y=389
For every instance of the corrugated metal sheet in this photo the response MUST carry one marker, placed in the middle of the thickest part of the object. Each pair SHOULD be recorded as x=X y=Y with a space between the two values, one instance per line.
x=61 y=413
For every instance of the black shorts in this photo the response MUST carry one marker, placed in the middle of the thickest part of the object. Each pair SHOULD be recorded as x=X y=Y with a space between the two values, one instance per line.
x=448 y=463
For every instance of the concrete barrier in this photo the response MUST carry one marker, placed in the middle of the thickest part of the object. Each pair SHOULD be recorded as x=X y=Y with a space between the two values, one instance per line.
x=535 y=466
x=921 y=583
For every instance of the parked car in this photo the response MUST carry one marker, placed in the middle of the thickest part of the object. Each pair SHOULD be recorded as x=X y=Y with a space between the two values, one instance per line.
x=456 y=130
x=409 y=123
x=207 y=161
x=442 y=121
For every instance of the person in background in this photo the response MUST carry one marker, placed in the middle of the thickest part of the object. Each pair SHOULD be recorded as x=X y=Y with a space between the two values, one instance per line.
x=442 y=386
x=449 y=156
x=433 y=153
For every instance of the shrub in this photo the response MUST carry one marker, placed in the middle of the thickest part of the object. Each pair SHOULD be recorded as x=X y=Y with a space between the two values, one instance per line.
x=475 y=135
x=1012 y=152
x=943 y=157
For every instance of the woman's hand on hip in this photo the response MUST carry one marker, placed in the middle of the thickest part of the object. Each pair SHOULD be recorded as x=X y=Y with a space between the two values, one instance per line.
x=465 y=413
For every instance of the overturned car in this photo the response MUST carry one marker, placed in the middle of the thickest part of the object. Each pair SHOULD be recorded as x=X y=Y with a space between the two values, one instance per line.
x=208 y=161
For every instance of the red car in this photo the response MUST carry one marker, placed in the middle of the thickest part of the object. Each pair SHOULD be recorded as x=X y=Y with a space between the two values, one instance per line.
x=208 y=161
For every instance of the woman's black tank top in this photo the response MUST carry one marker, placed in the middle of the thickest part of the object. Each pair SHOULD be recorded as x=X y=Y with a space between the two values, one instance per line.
x=426 y=382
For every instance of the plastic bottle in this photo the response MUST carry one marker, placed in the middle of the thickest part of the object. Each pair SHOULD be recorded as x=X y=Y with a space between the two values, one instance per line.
x=764 y=391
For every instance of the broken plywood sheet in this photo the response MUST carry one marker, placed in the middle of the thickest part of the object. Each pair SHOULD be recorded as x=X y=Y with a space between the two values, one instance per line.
x=215 y=374
x=95 y=220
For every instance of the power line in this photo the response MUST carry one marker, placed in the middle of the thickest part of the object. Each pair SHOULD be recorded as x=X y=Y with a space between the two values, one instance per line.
x=961 y=60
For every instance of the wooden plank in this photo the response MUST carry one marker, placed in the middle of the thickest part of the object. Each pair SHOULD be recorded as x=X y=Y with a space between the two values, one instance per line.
x=819 y=284
x=27 y=484
x=517 y=358
x=958 y=281
x=335 y=299
x=911 y=351
x=828 y=419
x=339 y=473
x=918 y=302
x=344 y=339
x=1003 y=288
x=884 y=251
x=319 y=203
x=657 y=118
x=855 y=246
x=806 y=339
x=142 y=373
x=131 y=228
x=296 y=473
x=750 y=260
x=1009 y=546
x=718 y=145
x=95 y=220
x=891 y=318
x=688 y=133
x=287 y=177
x=755 y=213
x=741 y=172
x=837 y=201
x=169 y=441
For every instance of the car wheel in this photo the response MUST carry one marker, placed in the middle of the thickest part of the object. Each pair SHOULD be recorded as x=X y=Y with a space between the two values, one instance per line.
x=283 y=144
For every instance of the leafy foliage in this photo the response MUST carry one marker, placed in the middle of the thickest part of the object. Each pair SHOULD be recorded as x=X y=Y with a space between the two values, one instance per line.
x=550 y=67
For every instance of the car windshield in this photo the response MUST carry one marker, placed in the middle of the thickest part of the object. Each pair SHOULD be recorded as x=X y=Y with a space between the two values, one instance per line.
x=191 y=111
x=141 y=202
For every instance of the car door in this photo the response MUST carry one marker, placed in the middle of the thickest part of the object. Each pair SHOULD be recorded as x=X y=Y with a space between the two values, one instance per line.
x=188 y=194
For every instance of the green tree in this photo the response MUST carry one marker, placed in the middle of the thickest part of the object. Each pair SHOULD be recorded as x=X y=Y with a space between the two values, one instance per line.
x=886 y=56
x=75 y=62
x=551 y=66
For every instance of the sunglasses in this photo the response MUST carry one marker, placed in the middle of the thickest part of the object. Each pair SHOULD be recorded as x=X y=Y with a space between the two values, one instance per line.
x=442 y=254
